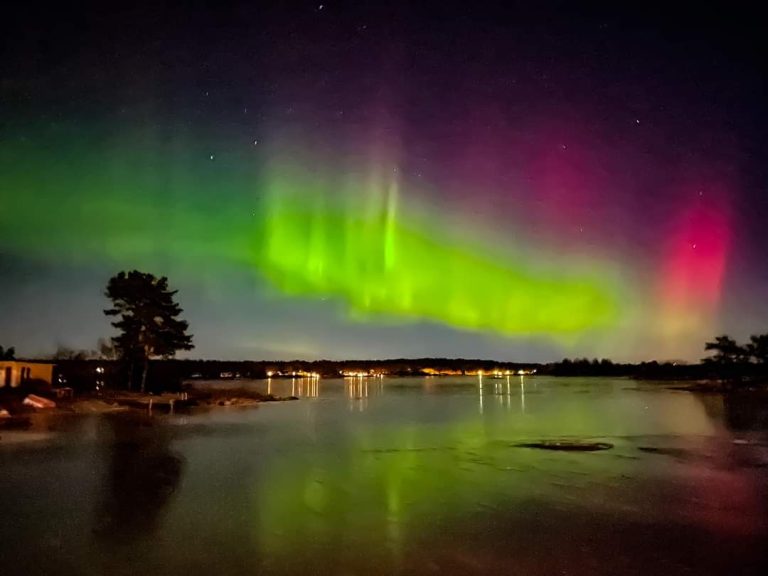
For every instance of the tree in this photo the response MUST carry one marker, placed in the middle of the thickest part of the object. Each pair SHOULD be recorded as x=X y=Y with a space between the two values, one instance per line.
x=727 y=351
x=106 y=349
x=64 y=352
x=7 y=353
x=730 y=359
x=148 y=319
x=758 y=348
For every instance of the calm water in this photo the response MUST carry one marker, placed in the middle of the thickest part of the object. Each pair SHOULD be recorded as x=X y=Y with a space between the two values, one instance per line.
x=399 y=476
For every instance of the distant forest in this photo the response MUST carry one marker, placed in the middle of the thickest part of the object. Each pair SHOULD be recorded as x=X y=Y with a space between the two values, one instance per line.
x=730 y=364
x=169 y=374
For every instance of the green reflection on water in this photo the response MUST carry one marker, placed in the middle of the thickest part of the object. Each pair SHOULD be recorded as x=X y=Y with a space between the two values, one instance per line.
x=412 y=479
x=371 y=493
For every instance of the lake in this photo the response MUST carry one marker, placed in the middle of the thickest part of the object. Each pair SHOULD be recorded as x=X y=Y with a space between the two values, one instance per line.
x=399 y=476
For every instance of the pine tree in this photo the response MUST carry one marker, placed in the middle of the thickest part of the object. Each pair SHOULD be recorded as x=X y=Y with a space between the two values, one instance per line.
x=148 y=319
x=727 y=351
x=758 y=348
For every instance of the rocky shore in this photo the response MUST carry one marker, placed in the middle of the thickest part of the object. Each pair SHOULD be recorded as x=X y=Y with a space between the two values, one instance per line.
x=27 y=416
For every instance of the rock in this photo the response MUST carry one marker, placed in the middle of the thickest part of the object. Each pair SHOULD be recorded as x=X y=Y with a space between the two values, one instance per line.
x=567 y=445
x=38 y=402
x=674 y=452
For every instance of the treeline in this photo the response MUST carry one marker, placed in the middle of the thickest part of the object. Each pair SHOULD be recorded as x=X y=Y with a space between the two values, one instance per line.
x=730 y=362
x=86 y=374
x=652 y=370
x=738 y=363
x=170 y=374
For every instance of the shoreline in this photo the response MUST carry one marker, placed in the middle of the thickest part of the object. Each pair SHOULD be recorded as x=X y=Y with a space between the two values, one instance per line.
x=720 y=387
x=22 y=424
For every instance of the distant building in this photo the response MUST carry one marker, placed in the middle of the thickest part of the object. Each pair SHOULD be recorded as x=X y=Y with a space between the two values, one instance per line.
x=14 y=373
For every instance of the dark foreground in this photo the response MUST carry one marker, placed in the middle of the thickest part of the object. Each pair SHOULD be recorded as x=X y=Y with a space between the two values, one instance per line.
x=419 y=476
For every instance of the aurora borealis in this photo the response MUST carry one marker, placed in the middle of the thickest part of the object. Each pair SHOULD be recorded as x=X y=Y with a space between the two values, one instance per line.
x=359 y=248
x=369 y=181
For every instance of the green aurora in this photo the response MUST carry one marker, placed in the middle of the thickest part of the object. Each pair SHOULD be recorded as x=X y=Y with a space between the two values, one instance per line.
x=356 y=244
x=351 y=236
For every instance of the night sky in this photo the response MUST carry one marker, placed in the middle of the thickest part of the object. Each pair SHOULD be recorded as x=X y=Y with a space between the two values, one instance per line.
x=372 y=180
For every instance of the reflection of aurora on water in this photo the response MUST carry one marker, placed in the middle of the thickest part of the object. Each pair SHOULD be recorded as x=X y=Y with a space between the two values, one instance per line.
x=420 y=482
x=396 y=482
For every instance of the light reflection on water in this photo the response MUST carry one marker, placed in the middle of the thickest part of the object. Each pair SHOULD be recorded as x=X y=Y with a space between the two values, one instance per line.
x=408 y=475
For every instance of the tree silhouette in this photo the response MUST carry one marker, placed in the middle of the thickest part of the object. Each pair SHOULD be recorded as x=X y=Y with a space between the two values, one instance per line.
x=66 y=353
x=727 y=351
x=7 y=353
x=730 y=359
x=758 y=348
x=106 y=349
x=148 y=319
